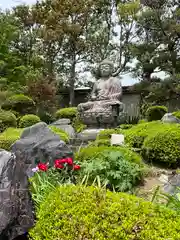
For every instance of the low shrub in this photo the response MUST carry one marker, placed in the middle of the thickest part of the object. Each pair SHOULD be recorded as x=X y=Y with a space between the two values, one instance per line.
x=106 y=134
x=154 y=113
x=86 y=154
x=126 y=126
x=9 y=136
x=142 y=121
x=28 y=120
x=62 y=134
x=163 y=146
x=69 y=113
x=176 y=114
x=78 y=125
x=78 y=212
x=7 y=119
x=100 y=142
x=113 y=170
x=135 y=136
x=20 y=103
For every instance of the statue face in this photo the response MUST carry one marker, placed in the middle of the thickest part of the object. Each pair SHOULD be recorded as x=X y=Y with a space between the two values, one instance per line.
x=105 y=70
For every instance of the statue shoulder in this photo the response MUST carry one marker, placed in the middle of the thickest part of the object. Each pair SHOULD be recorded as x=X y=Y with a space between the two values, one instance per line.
x=115 y=80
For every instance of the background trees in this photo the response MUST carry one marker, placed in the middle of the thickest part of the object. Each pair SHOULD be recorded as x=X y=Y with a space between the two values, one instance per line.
x=58 y=42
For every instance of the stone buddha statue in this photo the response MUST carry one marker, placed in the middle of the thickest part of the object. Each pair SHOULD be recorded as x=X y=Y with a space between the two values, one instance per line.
x=105 y=104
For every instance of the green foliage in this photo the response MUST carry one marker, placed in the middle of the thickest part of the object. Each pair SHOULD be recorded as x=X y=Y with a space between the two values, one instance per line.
x=69 y=113
x=155 y=113
x=142 y=121
x=114 y=170
x=7 y=119
x=126 y=126
x=176 y=114
x=28 y=120
x=88 y=153
x=101 y=142
x=76 y=211
x=78 y=125
x=106 y=134
x=9 y=136
x=20 y=103
x=62 y=134
x=163 y=146
x=135 y=136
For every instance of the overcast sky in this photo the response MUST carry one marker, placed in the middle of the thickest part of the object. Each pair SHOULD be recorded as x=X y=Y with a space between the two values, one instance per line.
x=126 y=80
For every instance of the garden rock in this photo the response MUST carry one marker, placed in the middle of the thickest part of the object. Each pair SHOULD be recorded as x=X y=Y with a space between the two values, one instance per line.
x=39 y=144
x=16 y=208
x=89 y=134
x=173 y=184
x=169 y=118
x=64 y=125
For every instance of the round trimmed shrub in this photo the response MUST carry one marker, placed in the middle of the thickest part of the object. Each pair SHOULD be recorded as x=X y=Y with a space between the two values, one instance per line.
x=20 y=103
x=7 y=119
x=69 y=113
x=78 y=212
x=86 y=154
x=163 y=146
x=9 y=136
x=28 y=120
x=135 y=136
x=156 y=113
x=62 y=134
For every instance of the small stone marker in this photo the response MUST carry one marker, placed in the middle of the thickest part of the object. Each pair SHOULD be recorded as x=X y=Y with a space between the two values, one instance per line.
x=117 y=139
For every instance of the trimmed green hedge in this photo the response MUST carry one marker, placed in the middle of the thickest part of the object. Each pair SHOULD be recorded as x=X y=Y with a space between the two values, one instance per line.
x=135 y=136
x=69 y=113
x=9 y=136
x=86 y=154
x=77 y=212
x=7 y=119
x=163 y=146
x=20 y=103
x=28 y=120
x=155 y=113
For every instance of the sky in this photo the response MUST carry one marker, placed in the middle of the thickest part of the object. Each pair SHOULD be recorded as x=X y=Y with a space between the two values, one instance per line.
x=126 y=79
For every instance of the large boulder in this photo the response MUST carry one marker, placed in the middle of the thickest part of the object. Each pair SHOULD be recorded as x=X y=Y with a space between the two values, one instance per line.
x=64 y=124
x=39 y=143
x=16 y=207
x=169 y=118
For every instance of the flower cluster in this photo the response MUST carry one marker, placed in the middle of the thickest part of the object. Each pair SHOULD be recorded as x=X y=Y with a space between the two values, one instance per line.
x=58 y=164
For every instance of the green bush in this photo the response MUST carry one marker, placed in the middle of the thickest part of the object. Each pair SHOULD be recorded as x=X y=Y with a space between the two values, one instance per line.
x=177 y=114
x=101 y=142
x=106 y=134
x=62 y=134
x=77 y=212
x=86 y=154
x=28 y=120
x=142 y=121
x=113 y=170
x=155 y=113
x=69 y=113
x=7 y=119
x=163 y=146
x=135 y=136
x=20 y=103
x=126 y=126
x=78 y=125
x=9 y=136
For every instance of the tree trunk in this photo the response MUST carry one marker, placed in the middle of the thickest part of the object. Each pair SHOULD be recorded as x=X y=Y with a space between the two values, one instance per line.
x=72 y=80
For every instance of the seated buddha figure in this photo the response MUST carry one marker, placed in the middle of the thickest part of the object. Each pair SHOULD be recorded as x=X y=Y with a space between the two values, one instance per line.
x=106 y=93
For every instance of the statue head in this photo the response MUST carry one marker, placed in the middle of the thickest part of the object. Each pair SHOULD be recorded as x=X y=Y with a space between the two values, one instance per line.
x=106 y=68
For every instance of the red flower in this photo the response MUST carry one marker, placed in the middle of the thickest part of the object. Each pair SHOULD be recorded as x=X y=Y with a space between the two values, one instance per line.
x=69 y=161
x=43 y=167
x=76 y=167
x=59 y=166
